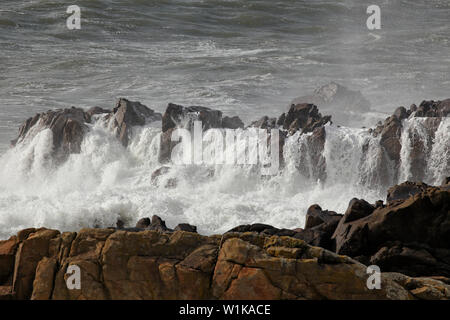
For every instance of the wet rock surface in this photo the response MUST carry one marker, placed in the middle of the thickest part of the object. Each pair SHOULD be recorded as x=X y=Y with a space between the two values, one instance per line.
x=150 y=264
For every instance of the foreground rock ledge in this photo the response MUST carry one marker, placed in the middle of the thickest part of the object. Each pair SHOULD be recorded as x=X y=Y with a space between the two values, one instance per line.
x=117 y=264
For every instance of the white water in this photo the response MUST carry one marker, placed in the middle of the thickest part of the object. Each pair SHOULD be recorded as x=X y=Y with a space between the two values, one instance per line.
x=106 y=182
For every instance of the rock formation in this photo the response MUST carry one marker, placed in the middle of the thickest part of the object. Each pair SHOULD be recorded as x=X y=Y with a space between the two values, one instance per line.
x=177 y=116
x=410 y=234
x=344 y=105
x=116 y=264
x=68 y=126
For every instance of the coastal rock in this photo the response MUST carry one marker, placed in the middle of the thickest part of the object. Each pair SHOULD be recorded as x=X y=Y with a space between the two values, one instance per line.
x=119 y=264
x=304 y=116
x=319 y=227
x=405 y=190
x=178 y=116
x=343 y=104
x=357 y=209
x=232 y=123
x=433 y=109
x=420 y=140
x=413 y=226
x=68 y=127
x=186 y=227
x=265 y=123
x=127 y=114
x=143 y=223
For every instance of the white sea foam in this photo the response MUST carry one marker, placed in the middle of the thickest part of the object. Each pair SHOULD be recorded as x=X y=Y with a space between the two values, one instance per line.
x=106 y=182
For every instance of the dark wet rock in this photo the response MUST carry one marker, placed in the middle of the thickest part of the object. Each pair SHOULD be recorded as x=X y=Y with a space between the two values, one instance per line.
x=257 y=227
x=305 y=117
x=265 y=123
x=143 y=223
x=405 y=190
x=158 y=224
x=433 y=109
x=68 y=127
x=186 y=227
x=379 y=204
x=401 y=113
x=96 y=110
x=232 y=122
x=319 y=227
x=357 y=209
x=178 y=116
x=127 y=114
x=413 y=258
x=316 y=216
x=320 y=235
x=120 y=224
x=413 y=226
x=446 y=181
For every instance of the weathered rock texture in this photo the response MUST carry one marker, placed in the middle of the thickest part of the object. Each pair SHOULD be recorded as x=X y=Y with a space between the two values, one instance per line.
x=68 y=126
x=390 y=134
x=117 y=264
x=177 y=116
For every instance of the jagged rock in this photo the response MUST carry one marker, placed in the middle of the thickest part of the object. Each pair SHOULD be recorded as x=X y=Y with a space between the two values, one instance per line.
x=158 y=224
x=177 y=116
x=421 y=218
x=305 y=117
x=405 y=190
x=446 y=181
x=232 y=122
x=68 y=127
x=316 y=216
x=117 y=264
x=265 y=123
x=120 y=224
x=7 y=256
x=433 y=109
x=257 y=227
x=127 y=114
x=96 y=110
x=143 y=223
x=184 y=117
x=186 y=227
x=319 y=227
x=357 y=209
x=401 y=113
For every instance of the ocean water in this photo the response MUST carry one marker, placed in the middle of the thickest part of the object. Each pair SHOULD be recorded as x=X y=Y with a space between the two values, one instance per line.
x=246 y=58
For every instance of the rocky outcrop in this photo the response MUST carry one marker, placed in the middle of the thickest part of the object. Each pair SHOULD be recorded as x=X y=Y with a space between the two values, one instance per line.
x=409 y=234
x=344 y=105
x=127 y=114
x=68 y=126
x=118 y=264
x=177 y=116
x=304 y=117
x=420 y=143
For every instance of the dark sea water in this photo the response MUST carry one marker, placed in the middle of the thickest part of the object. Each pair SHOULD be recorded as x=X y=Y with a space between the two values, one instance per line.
x=244 y=57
